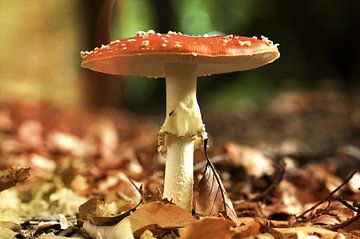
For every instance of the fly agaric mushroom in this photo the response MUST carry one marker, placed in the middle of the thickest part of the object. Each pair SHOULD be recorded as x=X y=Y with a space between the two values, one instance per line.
x=180 y=59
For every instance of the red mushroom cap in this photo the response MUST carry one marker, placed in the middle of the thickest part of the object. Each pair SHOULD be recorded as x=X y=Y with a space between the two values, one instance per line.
x=148 y=52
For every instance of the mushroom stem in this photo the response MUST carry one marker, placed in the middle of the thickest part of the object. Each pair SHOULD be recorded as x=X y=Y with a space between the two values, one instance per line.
x=182 y=125
x=179 y=180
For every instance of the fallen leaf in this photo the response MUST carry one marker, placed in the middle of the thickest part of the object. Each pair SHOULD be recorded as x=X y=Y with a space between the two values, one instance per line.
x=12 y=176
x=353 y=224
x=248 y=227
x=163 y=215
x=254 y=161
x=10 y=225
x=208 y=228
x=212 y=198
x=100 y=213
x=332 y=213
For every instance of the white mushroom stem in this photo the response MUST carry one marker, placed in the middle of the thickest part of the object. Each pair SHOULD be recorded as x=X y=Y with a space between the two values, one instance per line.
x=182 y=126
x=179 y=180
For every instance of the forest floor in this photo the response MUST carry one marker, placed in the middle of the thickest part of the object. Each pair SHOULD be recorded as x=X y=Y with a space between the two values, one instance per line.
x=289 y=169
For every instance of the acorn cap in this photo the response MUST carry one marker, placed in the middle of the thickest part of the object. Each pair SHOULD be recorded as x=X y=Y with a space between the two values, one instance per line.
x=146 y=54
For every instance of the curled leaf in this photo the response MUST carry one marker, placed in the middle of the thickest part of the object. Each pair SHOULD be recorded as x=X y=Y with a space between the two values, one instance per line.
x=102 y=214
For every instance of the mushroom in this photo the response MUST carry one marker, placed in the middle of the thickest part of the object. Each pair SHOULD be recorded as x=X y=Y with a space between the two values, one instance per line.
x=180 y=59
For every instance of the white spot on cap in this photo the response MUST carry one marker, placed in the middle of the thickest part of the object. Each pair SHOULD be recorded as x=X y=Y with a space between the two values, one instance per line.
x=124 y=48
x=113 y=42
x=163 y=45
x=131 y=40
x=177 y=45
x=194 y=54
x=145 y=43
x=244 y=43
x=267 y=41
x=141 y=34
x=84 y=53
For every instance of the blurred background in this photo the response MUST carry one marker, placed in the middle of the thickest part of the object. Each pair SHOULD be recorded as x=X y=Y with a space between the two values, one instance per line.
x=320 y=54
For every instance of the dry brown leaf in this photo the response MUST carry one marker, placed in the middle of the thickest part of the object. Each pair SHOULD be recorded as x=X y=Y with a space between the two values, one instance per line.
x=12 y=176
x=355 y=234
x=212 y=198
x=208 y=228
x=353 y=225
x=331 y=214
x=118 y=185
x=254 y=161
x=10 y=225
x=163 y=215
x=248 y=227
x=103 y=214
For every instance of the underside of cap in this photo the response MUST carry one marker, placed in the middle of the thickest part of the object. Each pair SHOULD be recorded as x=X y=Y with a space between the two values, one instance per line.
x=146 y=54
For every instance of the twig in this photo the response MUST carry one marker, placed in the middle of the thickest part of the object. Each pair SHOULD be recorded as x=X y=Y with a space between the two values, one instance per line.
x=331 y=193
x=139 y=190
x=280 y=172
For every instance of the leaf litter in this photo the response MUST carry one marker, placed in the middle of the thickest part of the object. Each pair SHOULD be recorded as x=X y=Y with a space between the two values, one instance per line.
x=84 y=174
